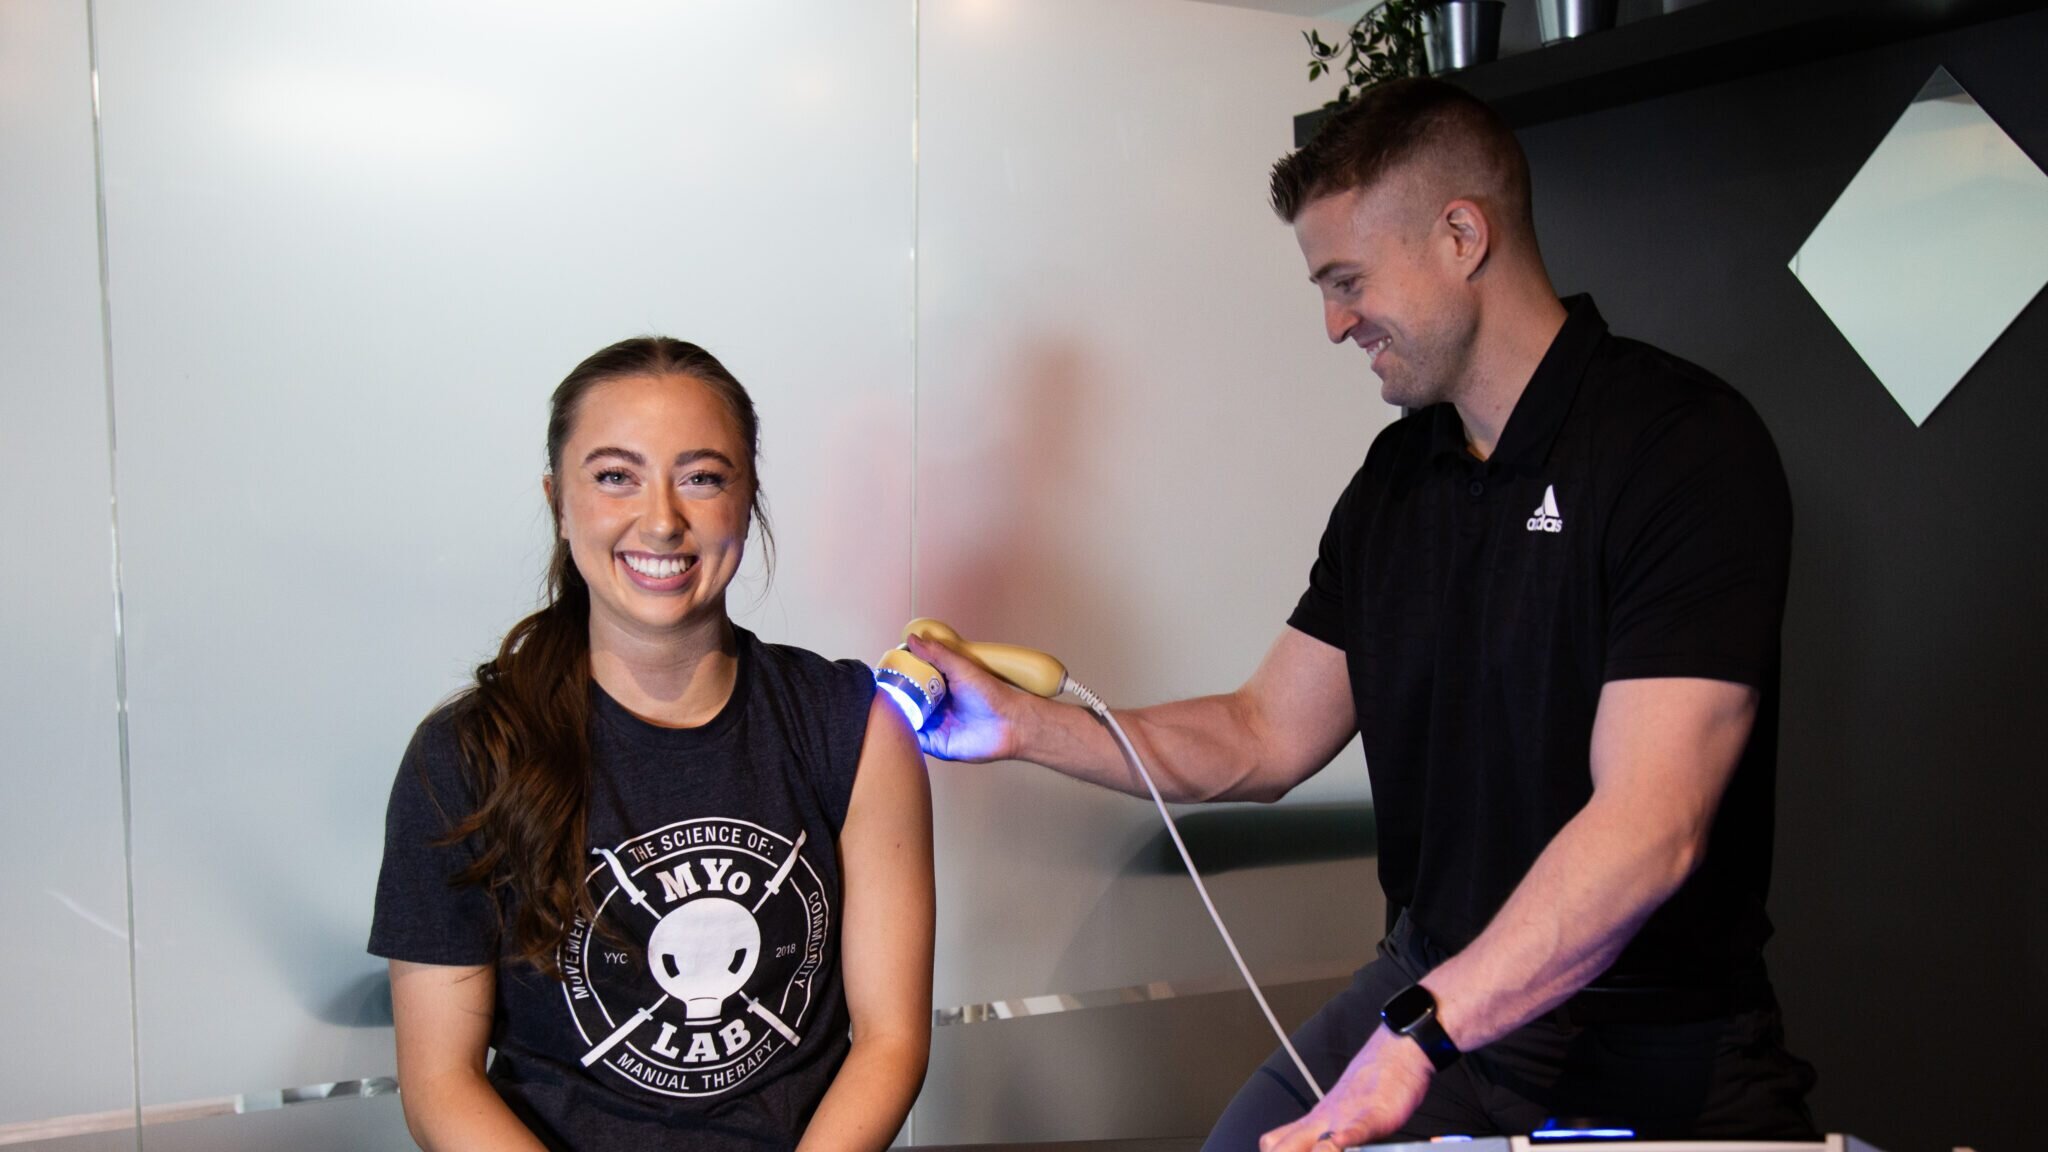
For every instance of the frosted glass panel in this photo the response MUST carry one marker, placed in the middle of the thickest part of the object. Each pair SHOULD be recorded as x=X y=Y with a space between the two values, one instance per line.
x=1131 y=433
x=355 y=245
x=1934 y=248
x=65 y=1013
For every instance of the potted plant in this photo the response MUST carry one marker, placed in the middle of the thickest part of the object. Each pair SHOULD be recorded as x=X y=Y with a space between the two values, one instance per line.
x=1401 y=38
x=1385 y=43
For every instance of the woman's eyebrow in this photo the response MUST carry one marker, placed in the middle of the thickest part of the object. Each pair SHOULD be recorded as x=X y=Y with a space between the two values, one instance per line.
x=696 y=454
x=626 y=454
x=682 y=458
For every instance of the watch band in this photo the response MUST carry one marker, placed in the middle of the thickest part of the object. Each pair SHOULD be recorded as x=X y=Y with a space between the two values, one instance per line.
x=1411 y=1012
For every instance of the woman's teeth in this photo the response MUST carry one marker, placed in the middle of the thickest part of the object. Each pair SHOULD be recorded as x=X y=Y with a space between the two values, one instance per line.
x=656 y=568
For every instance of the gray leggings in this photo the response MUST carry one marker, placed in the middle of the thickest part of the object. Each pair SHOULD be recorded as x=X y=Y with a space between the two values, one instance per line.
x=1727 y=1078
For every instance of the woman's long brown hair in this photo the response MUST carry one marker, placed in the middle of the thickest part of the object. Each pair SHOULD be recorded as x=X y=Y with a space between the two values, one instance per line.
x=523 y=728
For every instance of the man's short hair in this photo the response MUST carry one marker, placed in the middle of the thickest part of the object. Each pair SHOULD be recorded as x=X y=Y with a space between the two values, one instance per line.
x=1469 y=150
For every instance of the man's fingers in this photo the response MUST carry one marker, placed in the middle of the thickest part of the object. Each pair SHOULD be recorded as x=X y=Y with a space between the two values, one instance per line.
x=937 y=655
x=1319 y=1131
x=1359 y=1131
x=947 y=661
x=1375 y=1122
x=1300 y=1136
x=952 y=665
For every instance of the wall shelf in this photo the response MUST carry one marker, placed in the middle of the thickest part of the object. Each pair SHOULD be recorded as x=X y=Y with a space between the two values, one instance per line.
x=1704 y=44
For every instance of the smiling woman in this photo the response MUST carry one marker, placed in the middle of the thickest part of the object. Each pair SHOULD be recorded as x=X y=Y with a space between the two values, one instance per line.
x=678 y=878
x=654 y=490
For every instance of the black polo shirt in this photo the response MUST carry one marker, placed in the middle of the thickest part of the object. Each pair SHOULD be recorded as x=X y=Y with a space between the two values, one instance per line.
x=1633 y=522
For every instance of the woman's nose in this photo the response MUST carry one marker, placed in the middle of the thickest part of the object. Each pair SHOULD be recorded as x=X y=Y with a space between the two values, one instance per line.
x=663 y=518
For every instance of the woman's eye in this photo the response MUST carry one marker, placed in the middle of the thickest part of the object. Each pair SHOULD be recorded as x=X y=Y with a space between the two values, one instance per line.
x=702 y=483
x=611 y=476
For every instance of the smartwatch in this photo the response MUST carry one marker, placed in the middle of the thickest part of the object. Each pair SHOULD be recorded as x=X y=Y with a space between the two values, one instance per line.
x=1412 y=1013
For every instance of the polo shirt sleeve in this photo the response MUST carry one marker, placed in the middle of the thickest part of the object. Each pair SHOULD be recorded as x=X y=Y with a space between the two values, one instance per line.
x=1698 y=548
x=421 y=915
x=1320 y=611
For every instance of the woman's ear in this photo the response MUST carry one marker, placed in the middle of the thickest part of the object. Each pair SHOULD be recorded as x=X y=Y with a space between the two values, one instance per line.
x=547 y=492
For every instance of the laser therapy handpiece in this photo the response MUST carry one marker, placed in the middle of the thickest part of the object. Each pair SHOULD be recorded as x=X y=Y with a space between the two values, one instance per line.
x=920 y=691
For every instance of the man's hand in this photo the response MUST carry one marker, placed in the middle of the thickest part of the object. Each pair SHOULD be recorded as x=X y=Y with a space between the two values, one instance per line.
x=978 y=720
x=1377 y=1094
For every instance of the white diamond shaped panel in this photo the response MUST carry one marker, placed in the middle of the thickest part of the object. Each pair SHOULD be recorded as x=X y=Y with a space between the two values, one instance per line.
x=1933 y=249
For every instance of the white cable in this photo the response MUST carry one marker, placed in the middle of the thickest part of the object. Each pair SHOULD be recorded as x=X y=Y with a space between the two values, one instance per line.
x=1123 y=742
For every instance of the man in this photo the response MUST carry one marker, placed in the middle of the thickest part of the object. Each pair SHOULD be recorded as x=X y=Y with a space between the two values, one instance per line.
x=1549 y=604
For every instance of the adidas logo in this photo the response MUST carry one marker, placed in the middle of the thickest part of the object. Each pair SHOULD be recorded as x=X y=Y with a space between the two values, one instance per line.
x=1547 y=518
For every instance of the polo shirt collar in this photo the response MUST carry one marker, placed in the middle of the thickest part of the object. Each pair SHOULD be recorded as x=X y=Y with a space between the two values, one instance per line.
x=1540 y=411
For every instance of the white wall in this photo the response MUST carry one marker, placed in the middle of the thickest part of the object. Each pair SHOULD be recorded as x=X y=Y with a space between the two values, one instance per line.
x=353 y=245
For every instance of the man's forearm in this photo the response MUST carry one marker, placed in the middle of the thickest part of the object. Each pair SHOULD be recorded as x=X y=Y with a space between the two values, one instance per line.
x=1200 y=749
x=1579 y=904
x=1586 y=896
x=1662 y=753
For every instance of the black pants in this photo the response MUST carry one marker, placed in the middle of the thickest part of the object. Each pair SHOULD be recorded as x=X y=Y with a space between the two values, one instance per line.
x=1723 y=1078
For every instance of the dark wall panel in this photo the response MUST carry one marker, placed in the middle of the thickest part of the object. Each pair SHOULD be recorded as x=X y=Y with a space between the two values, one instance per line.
x=1911 y=890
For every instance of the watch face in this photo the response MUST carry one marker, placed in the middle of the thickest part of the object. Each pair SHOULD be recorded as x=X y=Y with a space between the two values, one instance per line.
x=1409 y=1007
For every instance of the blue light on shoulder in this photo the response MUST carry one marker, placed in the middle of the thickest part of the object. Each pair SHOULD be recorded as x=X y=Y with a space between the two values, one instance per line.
x=912 y=710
